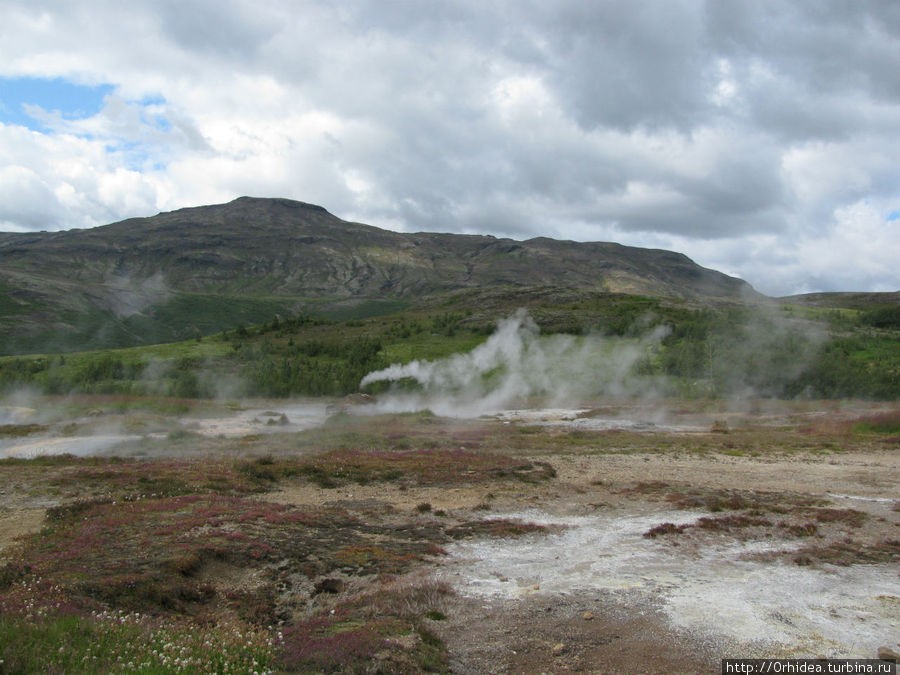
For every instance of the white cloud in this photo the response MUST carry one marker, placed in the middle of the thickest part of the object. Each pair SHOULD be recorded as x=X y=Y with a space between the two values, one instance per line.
x=742 y=134
x=60 y=181
x=857 y=251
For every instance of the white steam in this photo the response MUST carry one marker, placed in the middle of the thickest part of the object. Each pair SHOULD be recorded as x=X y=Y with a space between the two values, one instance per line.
x=515 y=366
x=125 y=295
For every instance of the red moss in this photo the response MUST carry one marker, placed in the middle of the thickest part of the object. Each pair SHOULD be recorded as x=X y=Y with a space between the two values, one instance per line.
x=665 y=529
x=324 y=644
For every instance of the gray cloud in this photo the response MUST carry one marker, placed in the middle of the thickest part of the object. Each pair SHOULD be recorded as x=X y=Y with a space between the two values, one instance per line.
x=755 y=137
x=26 y=201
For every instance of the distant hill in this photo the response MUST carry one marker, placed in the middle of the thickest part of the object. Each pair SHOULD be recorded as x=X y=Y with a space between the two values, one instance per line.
x=845 y=300
x=200 y=270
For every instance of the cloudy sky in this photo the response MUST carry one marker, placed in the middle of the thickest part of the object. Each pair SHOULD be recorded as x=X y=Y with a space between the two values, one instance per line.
x=760 y=138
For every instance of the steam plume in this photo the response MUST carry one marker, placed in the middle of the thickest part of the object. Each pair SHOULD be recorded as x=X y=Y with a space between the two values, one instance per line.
x=514 y=365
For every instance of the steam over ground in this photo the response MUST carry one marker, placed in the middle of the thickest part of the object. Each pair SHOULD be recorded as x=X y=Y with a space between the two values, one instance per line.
x=516 y=365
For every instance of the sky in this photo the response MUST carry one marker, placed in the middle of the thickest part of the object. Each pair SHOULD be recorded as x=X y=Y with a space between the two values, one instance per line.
x=759 y=138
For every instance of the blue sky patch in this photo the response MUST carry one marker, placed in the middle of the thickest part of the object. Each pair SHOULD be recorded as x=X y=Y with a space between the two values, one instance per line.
x=74 y=101
x=894 y=215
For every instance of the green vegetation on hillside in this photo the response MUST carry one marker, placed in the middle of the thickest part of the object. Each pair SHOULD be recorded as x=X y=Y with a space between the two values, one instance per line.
x=712 y=351
x=182 y=317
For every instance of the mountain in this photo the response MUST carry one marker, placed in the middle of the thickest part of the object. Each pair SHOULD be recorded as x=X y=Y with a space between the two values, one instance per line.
x=204 y=269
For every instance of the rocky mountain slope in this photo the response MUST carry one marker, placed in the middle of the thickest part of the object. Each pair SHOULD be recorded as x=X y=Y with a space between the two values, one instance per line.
x=203 y=269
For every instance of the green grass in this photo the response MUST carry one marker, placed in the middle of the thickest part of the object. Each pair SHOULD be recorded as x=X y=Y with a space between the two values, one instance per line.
x=356 y=311
x=8 y=306
x=187 y=315
x=825 y=314
x=430 y=346
x=183 y=316
x=209 y=347
x=49 y=641
x=884 y=423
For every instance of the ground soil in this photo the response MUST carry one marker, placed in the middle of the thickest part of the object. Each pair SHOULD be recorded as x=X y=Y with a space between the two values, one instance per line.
x=606 y=631
x=16 y=523
x=623 y=632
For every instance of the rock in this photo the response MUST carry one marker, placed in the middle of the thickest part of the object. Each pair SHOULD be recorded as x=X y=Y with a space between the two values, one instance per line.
x=330 y=586
x=887 y=654
x=281 y=420
x=558 y=649
x=349 y=402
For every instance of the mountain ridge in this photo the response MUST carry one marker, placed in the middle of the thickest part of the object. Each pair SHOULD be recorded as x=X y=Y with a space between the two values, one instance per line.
x=292 y=256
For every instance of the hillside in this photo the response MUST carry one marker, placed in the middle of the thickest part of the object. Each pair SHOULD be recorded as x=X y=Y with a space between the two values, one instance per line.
x=201 y=270
x=845 y=300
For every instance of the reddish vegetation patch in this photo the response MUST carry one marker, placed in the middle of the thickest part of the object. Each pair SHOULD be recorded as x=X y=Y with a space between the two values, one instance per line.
x=496 y=527
x=16 y=430
x=348 y=643
x=850 y=517
x=147 y=554
x=424 y=467
x=646 y=488
x=799 y=529
x=207 y=556
x=732 y=522
x=802 y=516
x=665 y=529
x=163 y=478
x=881 y=423
x=739 y=500
x=878 y=423
x=715 y=500
x=472 y=437
x=718 y=524
x=330 y=643
x=849 y=553
x=144 y=553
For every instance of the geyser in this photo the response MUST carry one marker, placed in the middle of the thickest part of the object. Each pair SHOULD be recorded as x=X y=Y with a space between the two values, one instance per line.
x=513 y=366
